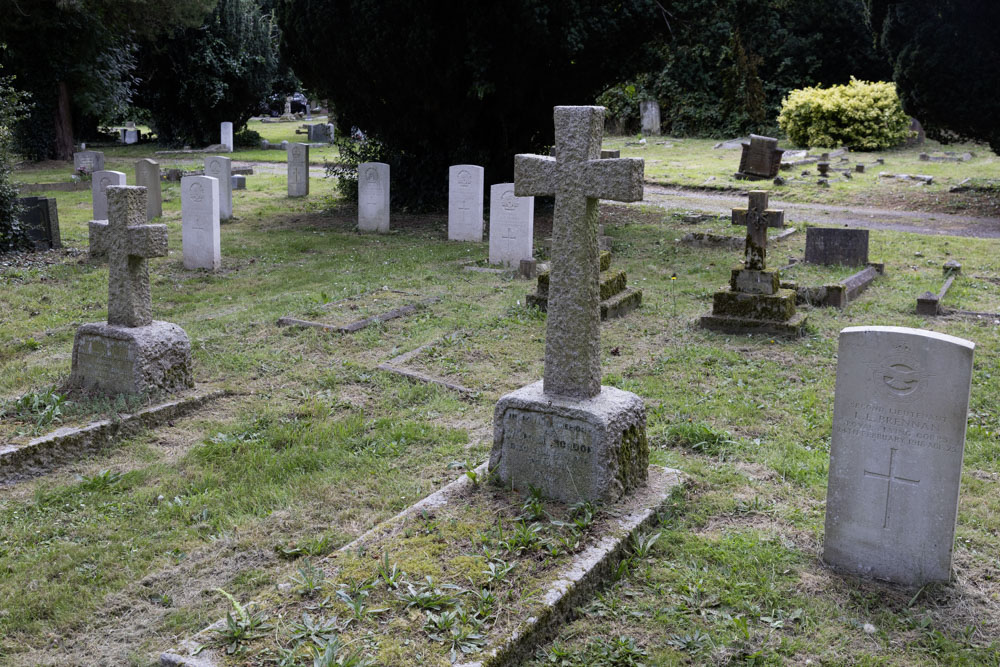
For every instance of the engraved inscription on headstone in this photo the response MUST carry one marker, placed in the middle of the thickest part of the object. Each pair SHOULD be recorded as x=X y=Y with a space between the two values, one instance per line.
x=298 y=170
x=465 y=202
x=373 y=197
x=200 y=233
x=896 y=455
x=512 y=226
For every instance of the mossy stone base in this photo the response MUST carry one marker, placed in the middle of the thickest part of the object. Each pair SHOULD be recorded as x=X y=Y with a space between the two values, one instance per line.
x=750 y=281
x=618 y=305
x=792 y=328
x=779 y=307
x=617 y=299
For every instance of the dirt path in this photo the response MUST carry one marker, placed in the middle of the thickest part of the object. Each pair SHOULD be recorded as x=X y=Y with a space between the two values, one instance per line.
x=918 y=222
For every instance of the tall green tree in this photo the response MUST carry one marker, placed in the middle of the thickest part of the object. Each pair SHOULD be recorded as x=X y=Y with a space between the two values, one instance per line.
x=441 y=82
x=76 y=58
x=12 y=106
x=945 y=58
x=218 y=71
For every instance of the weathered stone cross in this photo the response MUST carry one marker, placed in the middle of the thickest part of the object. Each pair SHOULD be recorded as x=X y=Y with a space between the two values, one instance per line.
x=757 y=219
x=577 y=177
x=889 y=479
x=130 y=242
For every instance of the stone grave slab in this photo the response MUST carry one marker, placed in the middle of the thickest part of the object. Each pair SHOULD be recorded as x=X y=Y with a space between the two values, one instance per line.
x=512 y=226
x=355 y=313
x=899 y=420
x=98 y=191
x=147 y=174
x=373 y=197
x=221 y=169
x=837 y=245
x=131 y=353
x=40 y=221
x=761 y=158
x=200 y=232
x=298 y=170
x=88 y=161
x=465 y=202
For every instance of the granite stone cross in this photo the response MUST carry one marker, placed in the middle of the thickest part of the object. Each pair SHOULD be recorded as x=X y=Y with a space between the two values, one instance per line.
x=577 y=177
x=130 y=243
x=757 y=221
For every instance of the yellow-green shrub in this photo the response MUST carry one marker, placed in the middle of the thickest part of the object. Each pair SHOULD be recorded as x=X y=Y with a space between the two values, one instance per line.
x=863 y=115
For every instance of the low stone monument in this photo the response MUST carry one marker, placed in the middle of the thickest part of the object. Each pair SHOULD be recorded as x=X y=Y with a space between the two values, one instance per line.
x=567 y=435
x=147 y=175
x=200 y=235
x=512 y=226
x=649 y=112
x=226 y=135
x=88 y=161
x=617 y=299
x=373 y=197
x=239 y=182
x=761 y=158
x=40 y=221
x=320 y=133
x=465 y=203
x=221 y=169
x=298 y=170
x=835 y=245
x=754 y=302
x=899 y=418
x=132 y=353
x=98 y=191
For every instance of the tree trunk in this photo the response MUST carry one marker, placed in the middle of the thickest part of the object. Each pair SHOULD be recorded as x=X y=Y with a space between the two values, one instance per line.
x=63 y=124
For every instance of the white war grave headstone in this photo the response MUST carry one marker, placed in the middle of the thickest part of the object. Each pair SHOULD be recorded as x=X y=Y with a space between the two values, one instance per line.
x=147 y=174
x=131 y=353
x=226 y=135
x=98 y=191
x=373 y=197
x=567 y=435
x=298 y=170
x=512 y=226
x=465 y=202
x=200 y=235
x=899 y=418
x=221 y=169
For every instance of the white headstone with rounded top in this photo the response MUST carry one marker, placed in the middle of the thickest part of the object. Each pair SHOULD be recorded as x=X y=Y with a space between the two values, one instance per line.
x=200 y=234
x=465 y=202
x=512 y=225
x=373 y=197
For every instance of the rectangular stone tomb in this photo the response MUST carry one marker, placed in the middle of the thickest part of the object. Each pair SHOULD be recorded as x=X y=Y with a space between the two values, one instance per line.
x=465 y=203
x=373 y=197
x=570 y=449
x=298 y=170
x=200 y=233
x=40 y=221
x=512 y=226
x=838 y=295
x=99 y=191
x=221 y=169
x=899 y=419
x=830 y=246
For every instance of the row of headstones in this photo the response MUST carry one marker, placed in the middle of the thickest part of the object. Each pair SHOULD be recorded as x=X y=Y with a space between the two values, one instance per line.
x=512 y=218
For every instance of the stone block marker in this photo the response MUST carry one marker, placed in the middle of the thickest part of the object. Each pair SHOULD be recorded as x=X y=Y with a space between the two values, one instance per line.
x=373 y=197
x=567 y=435
x=226 y=135
x=98 y=191
x=200 y=236
x=761 y=158
x=39 y=219
x=298 y=170
x=239 y=181
x=147 y=175
x=649 y=112
x=465 y=202
x=835 y=245
x=512 y=226
x=899 y=418
x=221 y=169
x=132 y=353
x=90 y=161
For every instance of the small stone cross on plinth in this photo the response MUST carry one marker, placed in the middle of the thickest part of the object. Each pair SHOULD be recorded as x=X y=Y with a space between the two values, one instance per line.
x=577 y=177
x=757 y=223
x=568 y=436
x=130 y=242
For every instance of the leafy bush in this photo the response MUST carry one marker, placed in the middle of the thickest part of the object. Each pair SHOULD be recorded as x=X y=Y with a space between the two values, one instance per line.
x=863 y=115
x=12 y=107
x=352 y=153
x=247 y=138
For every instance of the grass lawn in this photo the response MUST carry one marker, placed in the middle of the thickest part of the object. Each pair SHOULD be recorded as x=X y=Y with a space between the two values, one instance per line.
x=113 y=558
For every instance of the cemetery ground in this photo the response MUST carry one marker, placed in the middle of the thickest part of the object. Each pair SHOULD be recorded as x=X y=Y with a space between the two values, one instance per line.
x=115 y=557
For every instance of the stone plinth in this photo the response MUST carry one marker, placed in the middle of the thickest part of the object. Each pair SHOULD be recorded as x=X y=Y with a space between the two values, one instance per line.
x=131 y=360
x=899 y=419
x=571 y=449
x=617 y=299
x=373 y=197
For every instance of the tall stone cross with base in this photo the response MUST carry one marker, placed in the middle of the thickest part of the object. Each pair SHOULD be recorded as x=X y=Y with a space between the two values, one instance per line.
x=758 y=219
x=129 y=243
x=567 y=435
x=578 y=178
x=131 y=353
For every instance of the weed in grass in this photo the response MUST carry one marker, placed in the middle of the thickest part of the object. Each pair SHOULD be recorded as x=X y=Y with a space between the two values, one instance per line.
x=702 y=438
x=497 y=571
x=642 y=545
x=100 y=481
x=392 y=576
x=470 y=471
x=533 y=508
x=336 y=654
x=39 y=408
x=448 y=628
x=309 y=580
x=427 y=596
x=357 y=604
x=317 y=630
x=691 y=642
x=240 y=628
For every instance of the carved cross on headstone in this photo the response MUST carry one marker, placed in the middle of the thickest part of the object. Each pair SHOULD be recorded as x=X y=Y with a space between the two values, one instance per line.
x=889 y=478
x=130 y=243
x=577 y=177
x=758 y=219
